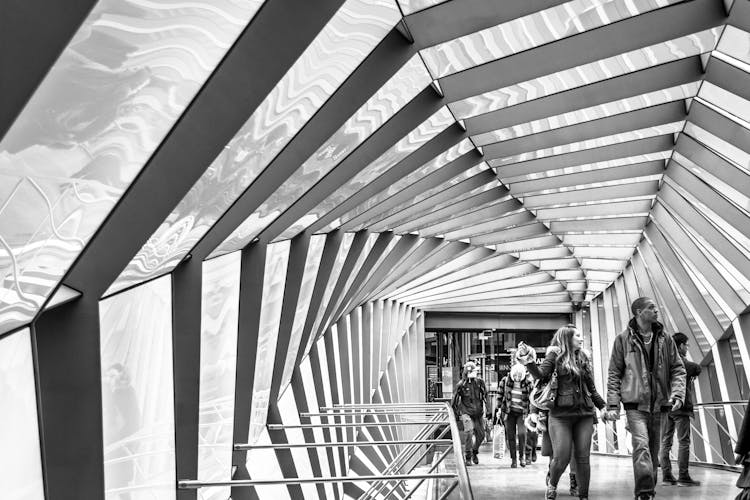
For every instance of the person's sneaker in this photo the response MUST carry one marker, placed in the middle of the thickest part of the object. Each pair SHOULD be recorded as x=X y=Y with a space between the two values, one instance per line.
x=687 y=481
x=514 y=464
x=474 y=458
x=668 y=478
x=467 y=459
x=533 y=456
x=573 y=485
x=521 y=462
x=551 y=493
x=645 y=496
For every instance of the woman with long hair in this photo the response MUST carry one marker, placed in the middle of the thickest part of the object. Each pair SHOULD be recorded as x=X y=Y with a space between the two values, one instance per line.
x=571 y=419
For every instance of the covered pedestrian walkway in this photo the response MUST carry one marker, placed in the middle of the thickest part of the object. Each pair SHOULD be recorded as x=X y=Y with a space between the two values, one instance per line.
x=223 y=220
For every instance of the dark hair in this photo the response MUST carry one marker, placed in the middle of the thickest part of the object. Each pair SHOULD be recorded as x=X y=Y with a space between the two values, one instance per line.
x=639 y=303
x=680 y=338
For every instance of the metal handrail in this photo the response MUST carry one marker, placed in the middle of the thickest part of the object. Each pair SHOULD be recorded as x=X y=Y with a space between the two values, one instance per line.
x=340 y=444
x=463 y=476
x=245 y=483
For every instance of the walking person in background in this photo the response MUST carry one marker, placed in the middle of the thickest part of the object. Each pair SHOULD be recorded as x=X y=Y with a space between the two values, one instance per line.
x=679 y=420
x=468 y=405
x=514 y=391
x=647 y=376
x=571 y=419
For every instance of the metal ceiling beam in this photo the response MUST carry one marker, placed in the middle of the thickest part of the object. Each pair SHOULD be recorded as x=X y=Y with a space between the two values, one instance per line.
x=462 y=220
x=424 y=250
x=407 y=119
x=619 y=150
x=513 y=234
x=632 y=84
x=382 y=63
x=433 y=148
x=634 y=33
x=631 y=190
x=623 y=172
x=457 y=18
x=712 y=163
x=739 y=16
x=461 y=205
x=625 y=122
x=428 y=182
x=728 y=77
x=450 y=193
x=610 y=224
x=594 y=210
x=476 y=227
x=719 y=125
x=29 y=45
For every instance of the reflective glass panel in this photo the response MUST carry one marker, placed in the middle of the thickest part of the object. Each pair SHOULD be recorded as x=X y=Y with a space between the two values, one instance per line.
x=274 y=280
x=103 y=108
x=20 y=456
x=398 y=91
x=312 y=263
x=218 y=365
x=358 y=26
x=531 y=31
x=138 y=393
x=416 y=138
x=588 y=114
x=586 y=74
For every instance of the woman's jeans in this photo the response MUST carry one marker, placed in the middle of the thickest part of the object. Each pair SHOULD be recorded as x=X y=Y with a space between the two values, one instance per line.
x=645 y=430
x=514 y=428
x=571 y=436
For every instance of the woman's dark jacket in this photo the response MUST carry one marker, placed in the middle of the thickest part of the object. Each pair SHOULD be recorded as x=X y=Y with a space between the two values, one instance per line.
x=576 y=394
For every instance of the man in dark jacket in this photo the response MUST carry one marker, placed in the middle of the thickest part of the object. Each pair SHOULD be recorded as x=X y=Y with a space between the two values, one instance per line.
x=468 y=406
x=679 y=420
x=647 y=376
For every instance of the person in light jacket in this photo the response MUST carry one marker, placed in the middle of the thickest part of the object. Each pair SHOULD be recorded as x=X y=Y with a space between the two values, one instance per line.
x=647 y=377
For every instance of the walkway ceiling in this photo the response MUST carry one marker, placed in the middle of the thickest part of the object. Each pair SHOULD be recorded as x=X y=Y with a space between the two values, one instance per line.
x=517 y=150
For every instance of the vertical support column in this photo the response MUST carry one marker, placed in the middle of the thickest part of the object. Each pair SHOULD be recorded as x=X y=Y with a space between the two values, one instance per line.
x=68 y=360
x=729 y=390
x=187 y=282
x=251 y=297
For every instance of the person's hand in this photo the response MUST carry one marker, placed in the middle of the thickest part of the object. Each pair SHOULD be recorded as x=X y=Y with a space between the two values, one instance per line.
x=612 y=415
x=553 y=349
x=676 y=404
x=531 y=422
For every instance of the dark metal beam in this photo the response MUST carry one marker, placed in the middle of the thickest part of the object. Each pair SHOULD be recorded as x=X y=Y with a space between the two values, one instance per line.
x=416 y=221
x=450 y=193
x=434 y=147
x=382 y=63
x=327 y=261
x=252 y=272
x=719 y=125
x=430 y=181
x=457 y=18
x=637 y=83
x=625 y=122
x=637 y=32
x=278 y=34
x=298 y=389
x=410 y=117
x=593 y=155
x=187 y=285
x=29 y=45
x=728 y=77
x=68 y=358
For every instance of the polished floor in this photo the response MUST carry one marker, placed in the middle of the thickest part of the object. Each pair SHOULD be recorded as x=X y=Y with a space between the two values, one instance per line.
x=611 y=478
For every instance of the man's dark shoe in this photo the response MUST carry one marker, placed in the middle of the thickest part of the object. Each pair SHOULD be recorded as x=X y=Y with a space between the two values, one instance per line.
x=514 y=464
x=668 y=478
x=645 y=496
x=551 y=493
x=533 y=456
x=467 y=458
x=687 y=481
x=474 y=458
x=521 y=462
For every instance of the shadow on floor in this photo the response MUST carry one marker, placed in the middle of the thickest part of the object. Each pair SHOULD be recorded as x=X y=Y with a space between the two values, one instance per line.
x=611 y=478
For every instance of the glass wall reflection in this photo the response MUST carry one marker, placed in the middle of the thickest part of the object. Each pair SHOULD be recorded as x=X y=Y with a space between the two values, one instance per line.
x=138 y=394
